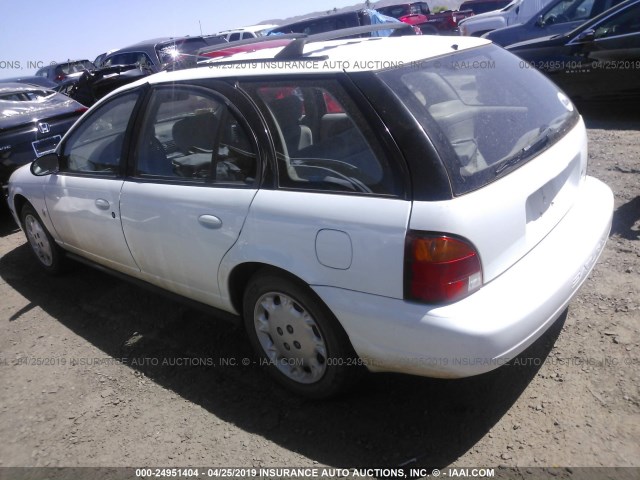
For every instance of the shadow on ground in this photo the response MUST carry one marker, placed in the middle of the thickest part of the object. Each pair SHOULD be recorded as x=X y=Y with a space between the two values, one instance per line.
x=386 y=422
x=611 y=115
x=7 y=224
x=626 y=220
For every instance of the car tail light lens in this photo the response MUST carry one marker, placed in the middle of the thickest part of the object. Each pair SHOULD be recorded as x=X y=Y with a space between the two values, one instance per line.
x=440 y=268
x=60 y=77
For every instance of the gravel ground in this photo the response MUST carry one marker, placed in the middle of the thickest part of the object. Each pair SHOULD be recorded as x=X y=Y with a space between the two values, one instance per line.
x=572 y=399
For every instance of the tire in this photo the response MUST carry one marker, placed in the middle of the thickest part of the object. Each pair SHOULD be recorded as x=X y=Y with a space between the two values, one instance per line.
x=297 y=338
x=49 y=255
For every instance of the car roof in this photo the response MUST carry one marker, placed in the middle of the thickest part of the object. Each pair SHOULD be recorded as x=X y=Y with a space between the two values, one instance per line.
x=33 y=80
x=69 y=62
x=155 y=41
x=250 y=28
x=13 y=87
x=351 y=55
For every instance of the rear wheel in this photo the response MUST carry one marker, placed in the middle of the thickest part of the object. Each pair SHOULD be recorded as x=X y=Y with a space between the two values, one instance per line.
x=298 y=339
x=50 y=257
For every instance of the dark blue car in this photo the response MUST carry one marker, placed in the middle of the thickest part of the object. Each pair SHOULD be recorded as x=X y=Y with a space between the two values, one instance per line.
x=557 y=18
x=600 y=60
x=32 y=122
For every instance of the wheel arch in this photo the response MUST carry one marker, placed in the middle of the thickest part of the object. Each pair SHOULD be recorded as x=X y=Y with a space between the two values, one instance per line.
x=19 y=201
x=239 y=277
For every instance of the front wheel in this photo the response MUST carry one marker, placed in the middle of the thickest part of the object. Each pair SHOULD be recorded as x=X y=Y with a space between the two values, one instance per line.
x=50 y=257
x=297 y=338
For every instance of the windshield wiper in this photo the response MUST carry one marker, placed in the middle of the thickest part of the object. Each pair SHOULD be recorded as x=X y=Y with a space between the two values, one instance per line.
x=538 y=144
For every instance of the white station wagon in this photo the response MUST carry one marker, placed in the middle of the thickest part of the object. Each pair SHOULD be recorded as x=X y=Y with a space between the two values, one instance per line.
x=408 y=204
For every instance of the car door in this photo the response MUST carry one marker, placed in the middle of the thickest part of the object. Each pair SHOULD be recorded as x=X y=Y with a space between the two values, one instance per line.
x=193 y=176
x=612 y=49
x=83 y=198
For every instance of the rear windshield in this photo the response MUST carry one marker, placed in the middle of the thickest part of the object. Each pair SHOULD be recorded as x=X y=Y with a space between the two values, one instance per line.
x=484 y=110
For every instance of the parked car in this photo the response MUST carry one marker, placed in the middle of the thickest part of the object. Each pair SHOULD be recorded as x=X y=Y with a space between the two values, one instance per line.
x=245 y=46
x=558 y=17
x=398 y=213
x=32 y=122
x=98 y=60
x=156 y=54
x=65 y=71
x=600 y=60
x=246 y=33
x=337 y=21
x=517 y=12
x=92 y=86
x=412 y=13
x=483 y=6
x=418 y=14
x=206 y=55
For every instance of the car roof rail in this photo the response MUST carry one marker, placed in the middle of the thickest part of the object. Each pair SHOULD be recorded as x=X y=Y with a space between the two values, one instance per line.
x=296 y=48
x=247 y=41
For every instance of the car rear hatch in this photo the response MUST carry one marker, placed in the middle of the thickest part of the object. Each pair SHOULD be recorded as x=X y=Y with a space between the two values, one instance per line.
x=513 y=146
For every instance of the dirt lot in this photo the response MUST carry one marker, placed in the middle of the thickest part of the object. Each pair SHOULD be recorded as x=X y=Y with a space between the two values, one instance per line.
x=572 y=399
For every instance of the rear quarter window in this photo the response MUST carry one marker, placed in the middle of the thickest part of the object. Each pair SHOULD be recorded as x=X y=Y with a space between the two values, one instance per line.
x=484 y=110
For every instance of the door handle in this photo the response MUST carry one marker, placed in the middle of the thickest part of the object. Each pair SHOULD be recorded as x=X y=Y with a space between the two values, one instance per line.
x=102 y=204
x=210 y=221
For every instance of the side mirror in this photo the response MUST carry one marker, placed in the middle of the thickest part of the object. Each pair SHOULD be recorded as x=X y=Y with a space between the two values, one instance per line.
x=587 y=36
x=45 y=165
x=540 y=21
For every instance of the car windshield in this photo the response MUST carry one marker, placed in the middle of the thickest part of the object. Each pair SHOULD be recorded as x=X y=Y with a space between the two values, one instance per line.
x=486 y=113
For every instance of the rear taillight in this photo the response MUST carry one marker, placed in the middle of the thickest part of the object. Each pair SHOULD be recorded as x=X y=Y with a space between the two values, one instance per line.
x=60 y=77
x=440 y=268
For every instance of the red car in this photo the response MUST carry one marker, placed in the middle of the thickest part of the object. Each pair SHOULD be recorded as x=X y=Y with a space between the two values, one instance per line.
x=419 y=15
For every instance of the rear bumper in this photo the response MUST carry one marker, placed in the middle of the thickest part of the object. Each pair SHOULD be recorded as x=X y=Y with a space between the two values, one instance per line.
x=495 y=324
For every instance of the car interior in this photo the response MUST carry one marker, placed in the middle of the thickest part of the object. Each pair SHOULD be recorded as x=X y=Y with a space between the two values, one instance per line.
x=321 y=146
x=195 y=138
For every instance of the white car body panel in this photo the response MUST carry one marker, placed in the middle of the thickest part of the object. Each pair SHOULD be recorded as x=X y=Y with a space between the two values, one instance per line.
x=282 y=230
x=496 y=323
